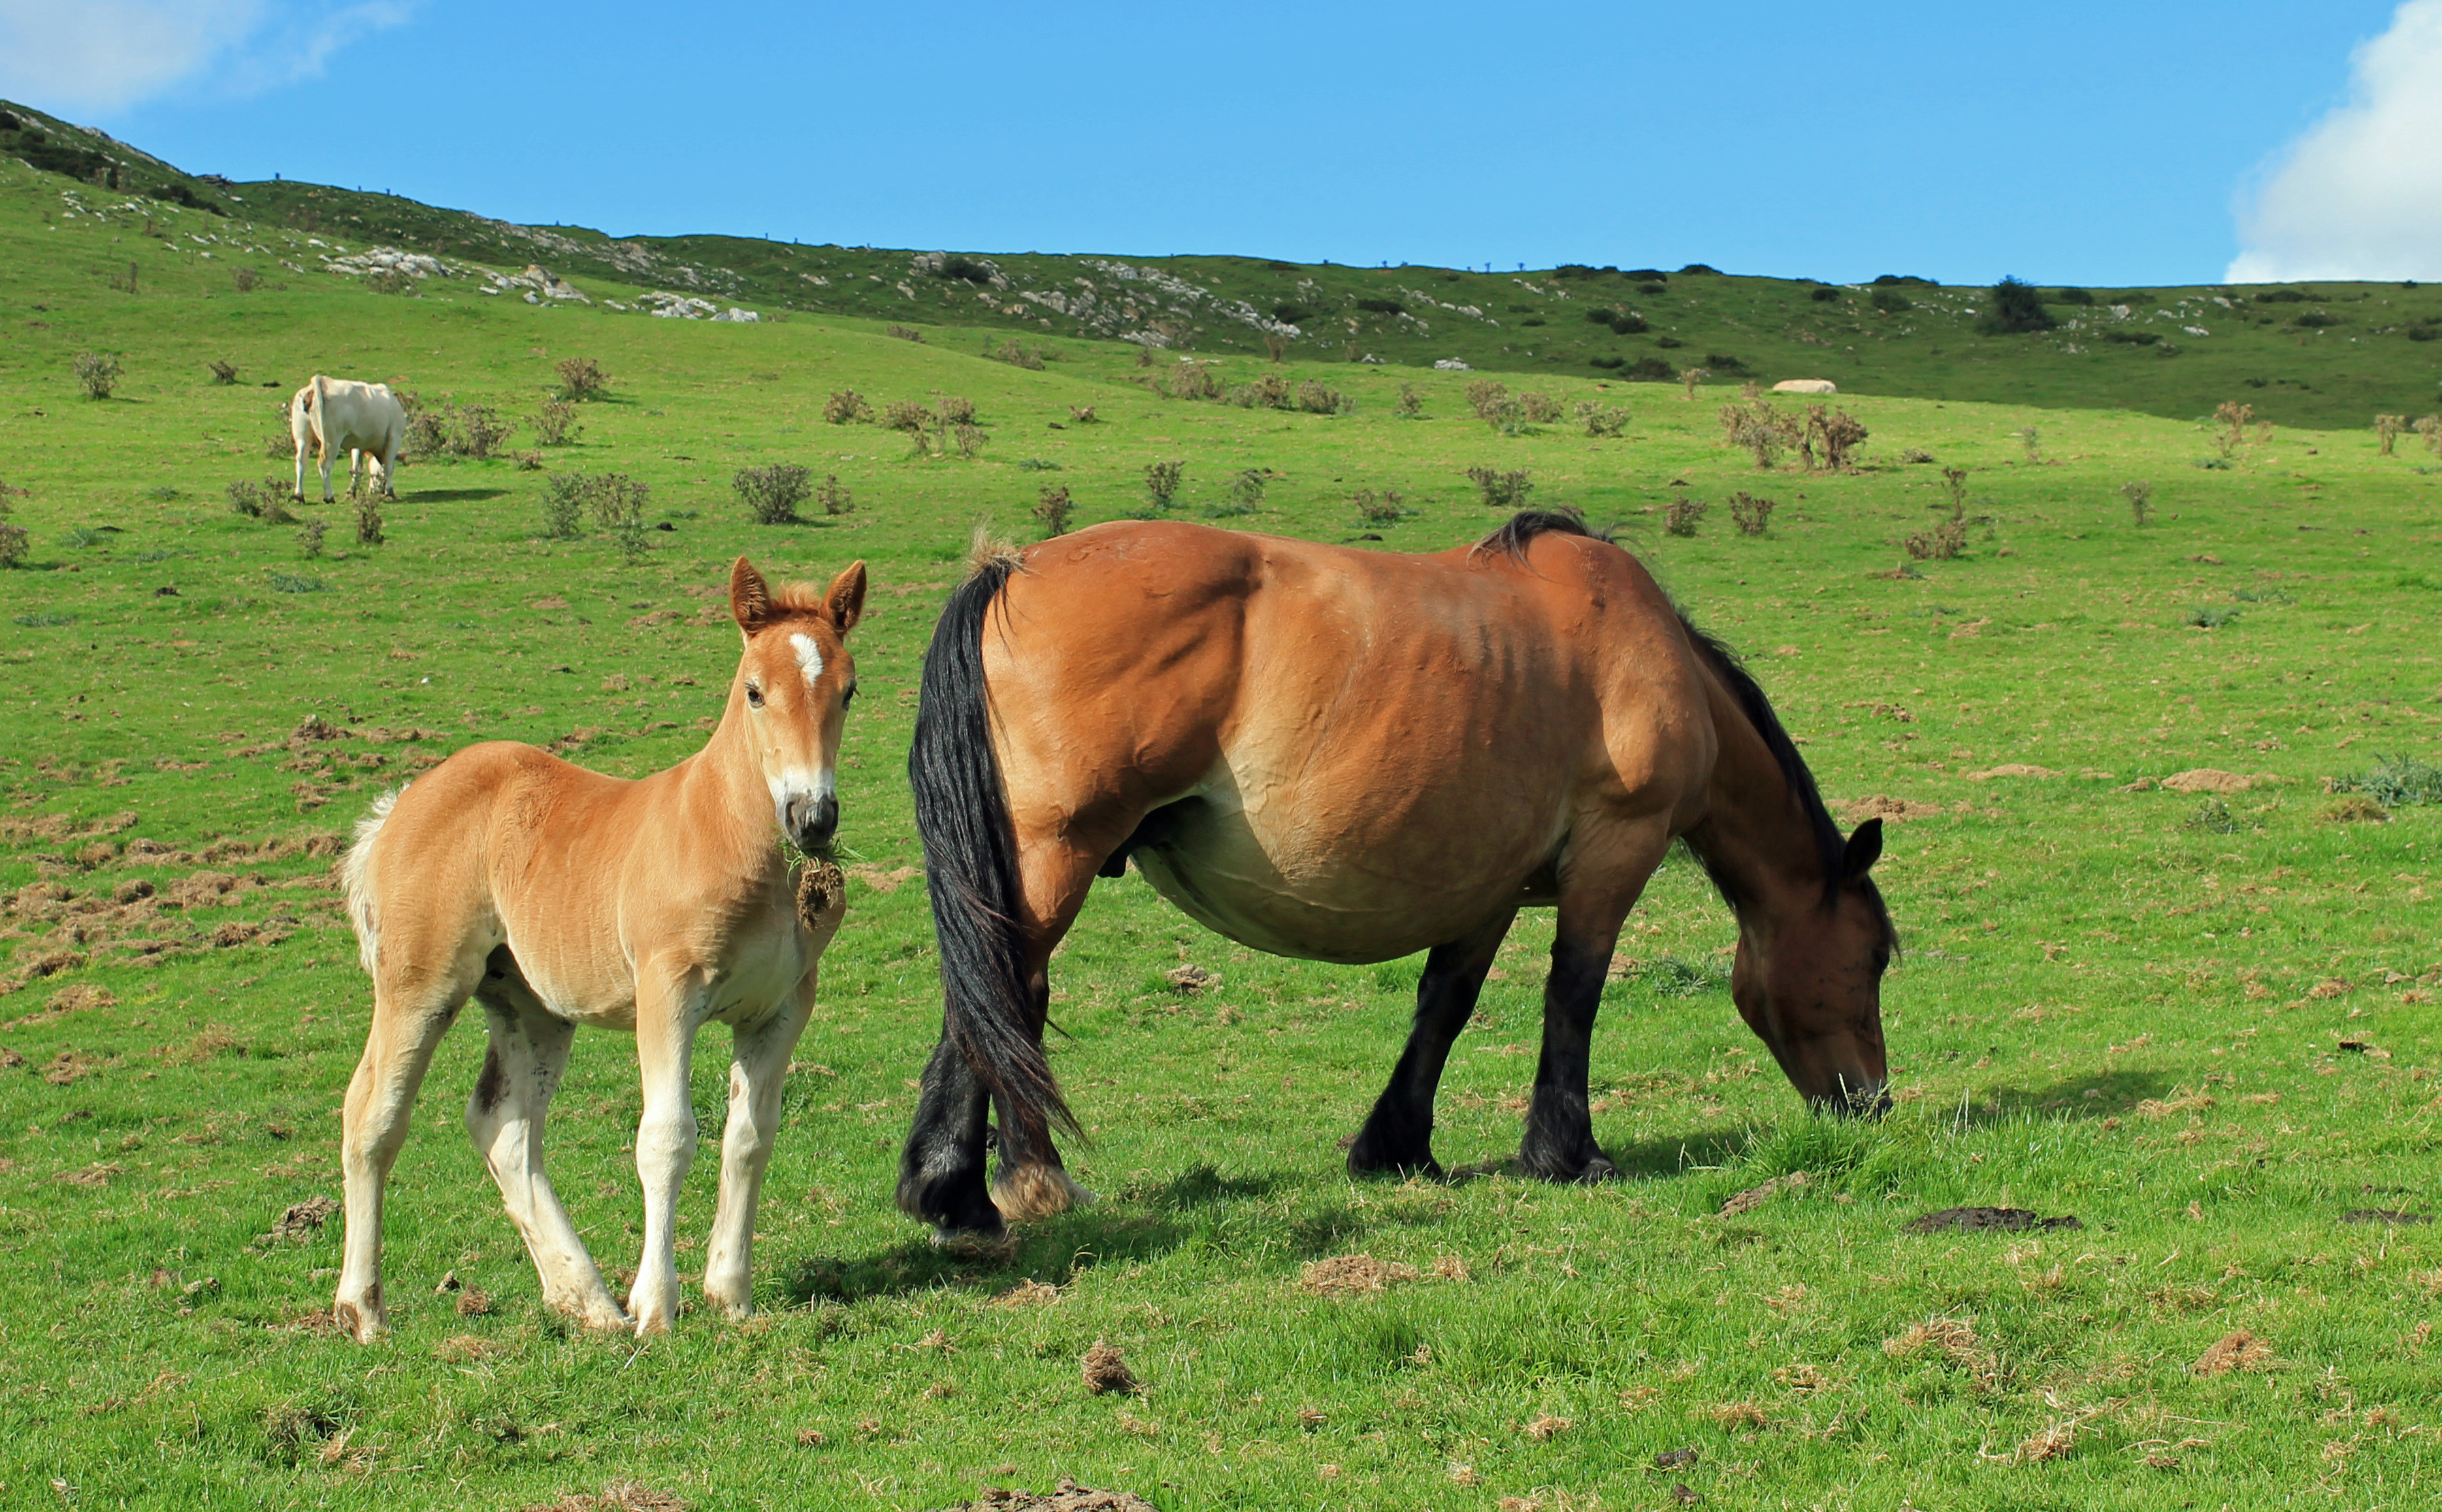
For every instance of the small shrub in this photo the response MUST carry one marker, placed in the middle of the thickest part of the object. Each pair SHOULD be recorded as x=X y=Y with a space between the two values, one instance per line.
x=909 y=419
x=1829 y=437
x=1540 y=408
x=309 y=537
x=957 y=410
x=1276 y=345
x=2014 y=308
x=618 y=504
x=2234 y=419
x=1890 y=301
x=1037 y=464
x=1247 y=487
x=428 y=428
x=1761 y=429
x=1916 y=455
x=1690 y=377
x=478 y=431
x=845 y=407
x=369 y=521
x=582 y=378
x=1382 y=306
x=1162 y=480
x=2033 y=439
x=2140 y=495
x=1601 y=421
x=969 y=439
x=96 y=373
x=1824 y=295
x=1015 y=355
x=1945 y=540
x=16 y=541
x=833 y=495
x=1411 y=405
x=2396 y=782
x=1081 y=413
x=2134 y=338
x=1385 y=508
x=2072 y=297
x=223 y=373
x=903 y=334
x=1054 y=508
x=563 y=506
x=1487 y=398
x=1269 y=390
x=1193 y=380
x=2386 y=430
x=1321 y=398
x=246 y=498
x=1607 y=364
x=1724 y=362
x=246 y=279
x=1682 y=516
x=2213 y=816
x=773 y=494
x=1750 y=515
x=1650 y=370
x=2316 y=319
x=555 y=424
x=2213 y=464
x=2431 y=429
x=2212 y=616
x=1501 y=490
x=291 y=583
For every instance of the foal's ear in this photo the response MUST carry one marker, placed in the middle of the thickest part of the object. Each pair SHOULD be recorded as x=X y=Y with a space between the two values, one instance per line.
x=1865 y=848
x=846 y=599
x=750 y=597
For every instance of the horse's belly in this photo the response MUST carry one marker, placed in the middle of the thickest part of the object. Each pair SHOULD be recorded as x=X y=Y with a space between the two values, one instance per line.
x=1291 y=888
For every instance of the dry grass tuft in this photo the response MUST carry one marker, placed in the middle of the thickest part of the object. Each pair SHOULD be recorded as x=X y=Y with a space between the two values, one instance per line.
x=463 y=1350
x=1545 y=1428
x=619 y=1496
x=1106 y=1369
x=2052 y=1443
x=1733 y=1415
x=1351 y=1275
x=1029 y=1294
x=1954 y=1339
x=2156 y=1108
x=1754 y=1197
x=2237 y=1350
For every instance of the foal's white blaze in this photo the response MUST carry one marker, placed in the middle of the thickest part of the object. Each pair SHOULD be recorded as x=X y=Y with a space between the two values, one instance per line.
x=810 y=657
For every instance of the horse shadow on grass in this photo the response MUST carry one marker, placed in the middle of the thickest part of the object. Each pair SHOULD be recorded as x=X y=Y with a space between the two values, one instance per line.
x=2094 y=1095
x=458 y=496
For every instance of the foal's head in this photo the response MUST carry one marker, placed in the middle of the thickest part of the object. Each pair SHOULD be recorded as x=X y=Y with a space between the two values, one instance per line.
x=1810 y=984
x=794 y=682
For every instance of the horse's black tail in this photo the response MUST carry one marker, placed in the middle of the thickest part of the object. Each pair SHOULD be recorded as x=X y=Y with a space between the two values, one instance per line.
x=970 y=865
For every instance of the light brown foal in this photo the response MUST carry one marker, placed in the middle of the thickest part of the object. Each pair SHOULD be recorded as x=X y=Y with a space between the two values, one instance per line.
x=556 y=896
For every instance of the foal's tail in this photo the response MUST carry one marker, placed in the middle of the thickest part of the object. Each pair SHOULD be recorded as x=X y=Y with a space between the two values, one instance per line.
x=970 y=862
x=356 y=876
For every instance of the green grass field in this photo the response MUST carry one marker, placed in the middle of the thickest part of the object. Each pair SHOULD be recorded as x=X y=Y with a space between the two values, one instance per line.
x=2200 y=1023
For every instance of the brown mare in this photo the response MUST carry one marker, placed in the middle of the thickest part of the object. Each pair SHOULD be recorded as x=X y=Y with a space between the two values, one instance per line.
x=1348 y=756
x=557 y=897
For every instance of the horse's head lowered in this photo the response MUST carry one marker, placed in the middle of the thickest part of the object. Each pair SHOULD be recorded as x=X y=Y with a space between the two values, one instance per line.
x=794 y=681
x=1810 y=984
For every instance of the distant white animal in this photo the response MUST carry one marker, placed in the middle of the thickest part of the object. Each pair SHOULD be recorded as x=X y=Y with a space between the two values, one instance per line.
x=365 y=420
x=1806 y=386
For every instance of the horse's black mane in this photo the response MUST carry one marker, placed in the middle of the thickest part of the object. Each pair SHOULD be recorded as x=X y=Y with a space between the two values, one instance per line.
x=1520 y=531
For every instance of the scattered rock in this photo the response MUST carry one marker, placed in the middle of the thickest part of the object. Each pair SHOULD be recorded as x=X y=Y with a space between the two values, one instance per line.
x=1351 y=1275
x=1191 y=979
x=2237 y=1350
x=1069 y=1498
x=302 y=1221
x=1106 y=1369
x=1973 y=1220
x=1754 y=1197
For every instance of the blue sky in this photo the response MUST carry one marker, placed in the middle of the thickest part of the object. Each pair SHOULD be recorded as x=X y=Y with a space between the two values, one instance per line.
x=2091 y=143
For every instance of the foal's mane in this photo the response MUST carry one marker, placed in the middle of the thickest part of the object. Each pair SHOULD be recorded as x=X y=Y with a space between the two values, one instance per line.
x=801 y=598
x=1831 y=847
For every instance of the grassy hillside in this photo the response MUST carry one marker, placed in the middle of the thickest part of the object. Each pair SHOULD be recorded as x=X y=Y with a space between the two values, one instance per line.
x=2200 y=1023
x=2326 y=355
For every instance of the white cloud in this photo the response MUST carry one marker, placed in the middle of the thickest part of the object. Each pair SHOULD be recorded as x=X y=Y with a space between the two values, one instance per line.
x=2360 y=196
x=111 y=54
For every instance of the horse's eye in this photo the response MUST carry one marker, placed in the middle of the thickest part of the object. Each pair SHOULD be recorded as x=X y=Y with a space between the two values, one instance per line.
x=754 y=696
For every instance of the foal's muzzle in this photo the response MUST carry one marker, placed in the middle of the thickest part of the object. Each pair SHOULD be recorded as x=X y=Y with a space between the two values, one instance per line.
x=812 y=821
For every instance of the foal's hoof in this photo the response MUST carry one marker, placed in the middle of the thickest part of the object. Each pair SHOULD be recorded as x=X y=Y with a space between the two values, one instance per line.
x=361 y=1321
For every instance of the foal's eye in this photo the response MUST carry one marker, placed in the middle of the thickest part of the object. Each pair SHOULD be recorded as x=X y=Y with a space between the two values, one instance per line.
x=850 y=697
x=754 y=696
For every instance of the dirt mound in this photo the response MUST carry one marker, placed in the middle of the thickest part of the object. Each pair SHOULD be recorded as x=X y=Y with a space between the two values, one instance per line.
x=1069 y=1498
x=1973 y=1220
x=2237 y=1350
x=1876 y=806
x=2013 y=769
x=2209 y=779
x=1353 y=1275
x=1106 y=1369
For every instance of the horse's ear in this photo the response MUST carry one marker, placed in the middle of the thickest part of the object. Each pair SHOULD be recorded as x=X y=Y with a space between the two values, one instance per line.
x=750 y=597
x=1865 y=848
x=846 y=599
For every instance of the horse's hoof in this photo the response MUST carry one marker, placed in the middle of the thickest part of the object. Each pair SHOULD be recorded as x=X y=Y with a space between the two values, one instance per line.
x=1037 y=1191
x=1584 y=1170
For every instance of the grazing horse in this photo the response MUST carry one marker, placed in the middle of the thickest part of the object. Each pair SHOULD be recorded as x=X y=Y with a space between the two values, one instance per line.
x=1347 y=755
x=557 y=896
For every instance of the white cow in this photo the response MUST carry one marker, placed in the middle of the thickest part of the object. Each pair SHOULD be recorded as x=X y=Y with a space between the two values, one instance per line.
x=1806 y=386
x=365 y=420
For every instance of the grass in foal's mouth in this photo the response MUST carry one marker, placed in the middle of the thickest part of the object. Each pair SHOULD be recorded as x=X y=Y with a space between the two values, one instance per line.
x=2208 y=1041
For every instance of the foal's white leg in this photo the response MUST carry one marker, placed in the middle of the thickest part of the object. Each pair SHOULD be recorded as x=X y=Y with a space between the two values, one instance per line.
x=758 y=1065
x=398 y=1051
x=667 y=1013
x=504 y=1117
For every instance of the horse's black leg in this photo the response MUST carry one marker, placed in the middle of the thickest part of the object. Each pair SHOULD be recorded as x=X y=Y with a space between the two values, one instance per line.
x=942 y=1171
x=1399 y=1135
x=1559 y=1143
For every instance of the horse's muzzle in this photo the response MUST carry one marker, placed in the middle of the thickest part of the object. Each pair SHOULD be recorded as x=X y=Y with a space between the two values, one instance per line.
x=812 y=822
x=1854 y=1097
